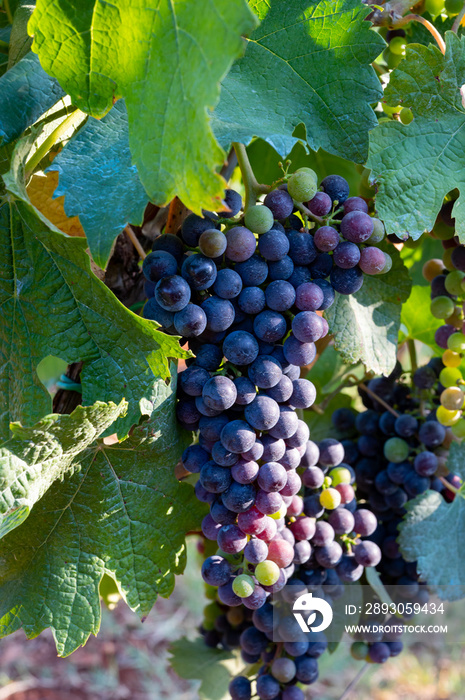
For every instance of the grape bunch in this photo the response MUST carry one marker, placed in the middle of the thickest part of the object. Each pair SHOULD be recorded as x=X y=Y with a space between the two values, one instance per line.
x=398 y=451
x=247 y=294
x=447 y=279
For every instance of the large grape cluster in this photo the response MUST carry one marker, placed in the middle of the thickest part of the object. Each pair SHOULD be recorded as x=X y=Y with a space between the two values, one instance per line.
x=247 y=295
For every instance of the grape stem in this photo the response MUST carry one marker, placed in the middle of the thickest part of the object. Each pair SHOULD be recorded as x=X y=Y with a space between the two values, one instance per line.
x=458 y=19
x=252 y=188
x=449 y=486
x=133 y=238
x=371 y=393
x=413 y=354
x=354 y=682
x=304 y=210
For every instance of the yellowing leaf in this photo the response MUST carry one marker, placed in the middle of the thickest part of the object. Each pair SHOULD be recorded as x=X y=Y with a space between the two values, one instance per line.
x=40 y=191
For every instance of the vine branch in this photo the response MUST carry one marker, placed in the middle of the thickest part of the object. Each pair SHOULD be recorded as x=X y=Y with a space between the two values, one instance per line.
x=354 y=682
x=7 y=8
x=135 y=242
x=252 y=188
x=430 y=27
x=458 y=19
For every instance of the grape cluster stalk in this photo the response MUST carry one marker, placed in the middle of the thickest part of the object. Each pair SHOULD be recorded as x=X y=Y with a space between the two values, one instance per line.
x=247 y=293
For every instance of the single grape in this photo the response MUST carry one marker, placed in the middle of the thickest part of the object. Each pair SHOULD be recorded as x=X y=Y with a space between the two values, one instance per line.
x=320 y=205
x=240 y=688
x=396 y=450
x=442 y=307
x=302 y=185
x=452 y=398
x=270 y=326
x=252 y=300
x=154 y=312
x=170 y=244
x=241 y=244
x=228 y=284
x=326 y=238
x=280 y=203
x=379 y=652
x=282 y=269
x=456 y=342
x=216 y=571
x=159 y=264
x=212 y=243
x=347 y=255
x=190 y=321
x=256 y=550
x=449 y=376
x=240 y=347
x=357 y=226
x=297 y=353
x=336 y=187
x=283 y=669
x=258 y=218
x=172 y=293
x=330 y=499
x=267 y=572
x=365 y=522
x=346 y=281
x=355 y=204
x=192 y=228
x=302 y=248
x=265 y=372
x=372 y=260
x=426 y=463
x=273 y=245
x=378 y=232
x=243 y=586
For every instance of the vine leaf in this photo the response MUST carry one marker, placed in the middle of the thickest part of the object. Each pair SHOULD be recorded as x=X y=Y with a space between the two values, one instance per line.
x=215 y=668
x=27 y=92
x=432 y=535
x=99 y=182
x=20 y=41
x=415 y=166
x=366 y=324
x=35 y=457
x=167 y=59
x=123 y=512
x=417 y=322
x=308 y=62
x=52 y=304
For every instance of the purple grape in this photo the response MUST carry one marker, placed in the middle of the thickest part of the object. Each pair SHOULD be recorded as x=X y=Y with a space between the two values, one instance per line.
x=263 y=413
x=265 y=372
x=326 y=238
x=372 y=260
x=346 y=255
x=356 y=226
x=320 y=205
x=272 y=477
x=282 y=391
x=280 y=202
x=172 y=293
x=355 y=204
x=346 y=281
x=307 y=327
x=244 y=471
x=256 y=551
x=240 y=347
x=241 y=244
x=298 y=353
x=280 y=295
x=308 y=297
x=367 y=553
x=231 y=539
x=200 y=272
x=302 y=248
x=228 y=284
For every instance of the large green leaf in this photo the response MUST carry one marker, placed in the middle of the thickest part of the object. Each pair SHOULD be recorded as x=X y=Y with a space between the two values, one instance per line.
x=366 y=325
x=417 y=321
x=123 y=512
x=432 y=534
x=35 y=457
x=27 y=92
x=52 y=304
x=415 y=166
x=309 y=61
x=213 y=667
x=20 y=41
x=99 y=182
x=166 y=58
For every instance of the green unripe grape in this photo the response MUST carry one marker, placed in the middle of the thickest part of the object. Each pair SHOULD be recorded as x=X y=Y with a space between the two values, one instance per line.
x=387 y=109
x=281 y=513
x=447 y=418
x=442 y=307
x=259 y=218
x=388 y=264
x=458 y=430
x=302 y=186
x=359 y=650
x=449 y=376
x=392 y=59
x=447 y=259
x=456 y=342
x=211 y=611
x=434 y=7
x=208 y=625
x=340 y=475
x=397 y=45
x=210 y=592
x=453 y=282
x=442 y=231
x=406 y=116
x=267 y=572
x=396 y=450
x=283 y=669
x=330 y=499
x=453 y=7
x=378 y=232
x=411 y=244
x=235 y=616
x=304 y=169
x=243 y=586
x=452 y=398
x=327 y=482
x=212 y=243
